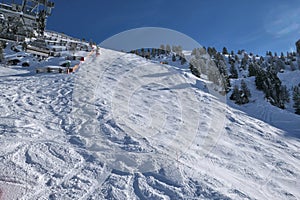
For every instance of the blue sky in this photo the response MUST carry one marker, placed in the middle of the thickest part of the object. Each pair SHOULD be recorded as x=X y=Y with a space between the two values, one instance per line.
x=256 y=26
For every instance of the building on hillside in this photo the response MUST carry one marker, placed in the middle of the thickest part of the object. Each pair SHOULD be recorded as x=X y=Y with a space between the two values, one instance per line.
x=38 y=48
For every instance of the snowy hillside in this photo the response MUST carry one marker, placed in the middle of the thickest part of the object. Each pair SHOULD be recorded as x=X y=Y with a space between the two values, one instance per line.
x=259 y=105
x=124 y=127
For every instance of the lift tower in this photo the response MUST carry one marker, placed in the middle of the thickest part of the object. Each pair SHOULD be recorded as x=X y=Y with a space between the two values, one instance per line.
x=24 y=17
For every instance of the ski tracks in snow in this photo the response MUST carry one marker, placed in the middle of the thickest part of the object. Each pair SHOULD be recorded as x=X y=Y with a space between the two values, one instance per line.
x=126 y=128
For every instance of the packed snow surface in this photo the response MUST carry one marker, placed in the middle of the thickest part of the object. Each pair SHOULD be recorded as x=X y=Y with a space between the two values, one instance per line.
x=123 y=127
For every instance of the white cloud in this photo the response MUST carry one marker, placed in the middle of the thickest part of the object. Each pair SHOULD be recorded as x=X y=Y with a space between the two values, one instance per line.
x=282 y=21
x=288 y=29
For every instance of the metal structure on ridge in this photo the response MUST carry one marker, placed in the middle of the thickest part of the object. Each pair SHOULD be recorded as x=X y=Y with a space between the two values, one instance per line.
x=23 y=18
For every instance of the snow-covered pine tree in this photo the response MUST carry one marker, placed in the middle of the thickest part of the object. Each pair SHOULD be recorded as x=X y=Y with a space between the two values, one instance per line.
x=162 y=47
x=245 y=89
x=153 y=52
x=284 y=94
x=235 y=93
x=282 y=57
x=148 y=54
x=236 y=58
x=211 y=51
x=244 y=62
x=143 y=52
x=298 y=46
x=252 y=69
x=168 y=49
x=296 y=99
x=259 y=79
x=183 y=60
x=233 y=71
x=194 y=67
x=293 y=67
x=173 y=58
x=194 y=52
x=224 y=51
x=177 y=49
x=202 y=51
x=279 y=65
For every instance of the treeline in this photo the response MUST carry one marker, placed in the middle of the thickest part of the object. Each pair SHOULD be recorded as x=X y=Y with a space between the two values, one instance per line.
x=221 y=67
x=210 y=63
x=242 y=65
x=166 y=50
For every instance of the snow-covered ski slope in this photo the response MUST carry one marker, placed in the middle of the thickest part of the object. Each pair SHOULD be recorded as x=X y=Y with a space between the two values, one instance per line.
x=126 y=128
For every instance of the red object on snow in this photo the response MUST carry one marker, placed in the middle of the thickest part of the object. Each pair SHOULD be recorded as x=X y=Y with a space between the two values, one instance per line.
x=82 y=59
